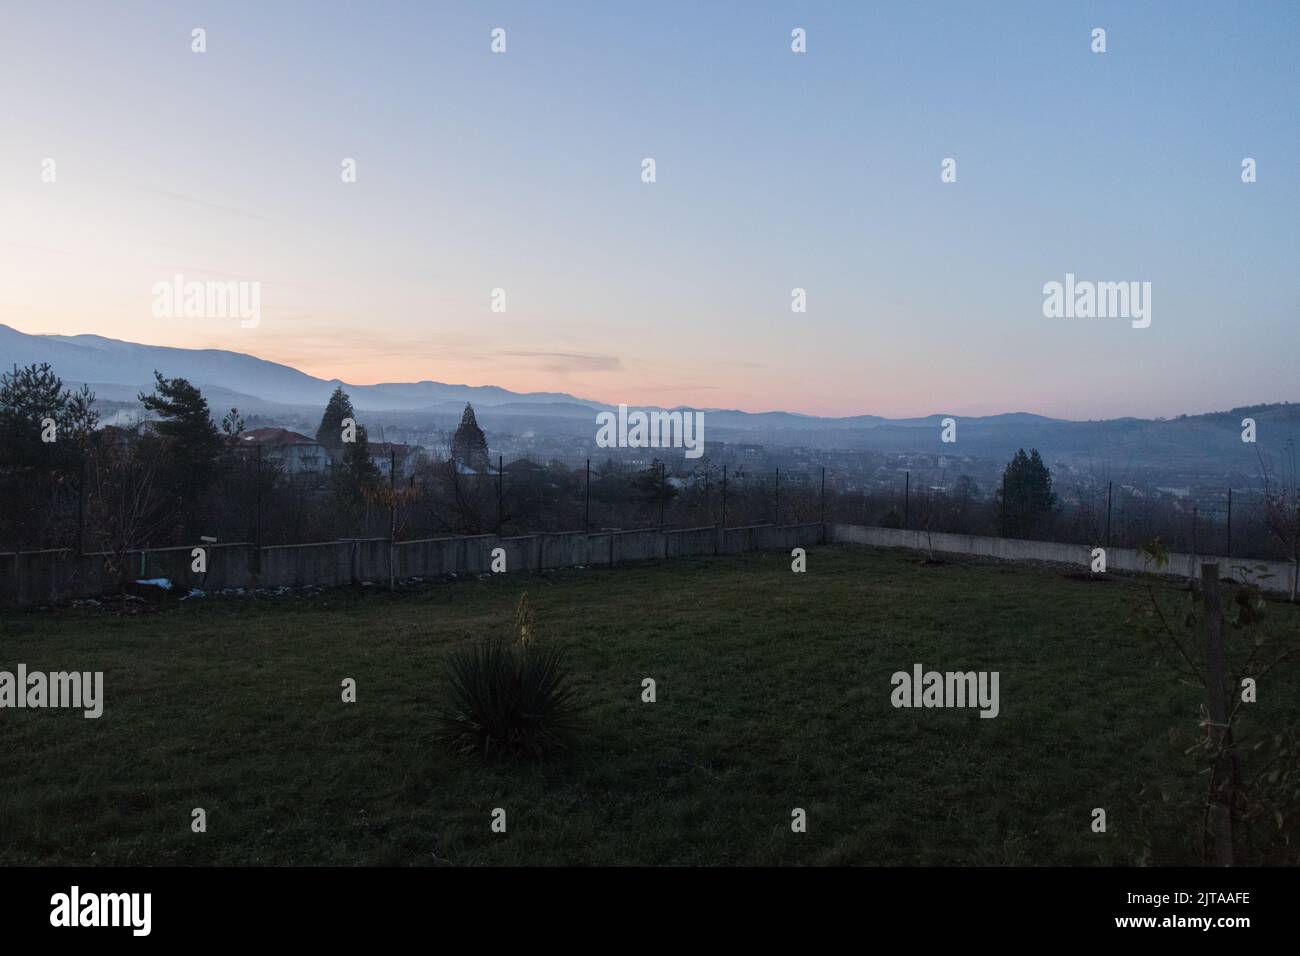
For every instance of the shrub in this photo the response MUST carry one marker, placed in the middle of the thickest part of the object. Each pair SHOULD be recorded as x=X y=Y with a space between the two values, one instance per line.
x=510 y=697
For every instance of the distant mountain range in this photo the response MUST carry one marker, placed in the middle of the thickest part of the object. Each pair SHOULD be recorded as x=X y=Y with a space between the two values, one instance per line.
x=118 y=370
x=130 y=366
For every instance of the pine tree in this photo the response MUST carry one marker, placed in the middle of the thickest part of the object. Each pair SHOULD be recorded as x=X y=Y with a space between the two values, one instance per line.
x=357 y=465
x=330 y=432
x=353 y=474
x=1026 y=493
x=469 y=444
x=193 y=441
x=353 y=481
x=183 y=413
x=40 y=465
x=32 y=394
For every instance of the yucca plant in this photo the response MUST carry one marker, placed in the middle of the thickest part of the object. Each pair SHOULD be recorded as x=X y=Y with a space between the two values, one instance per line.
x=509 y=697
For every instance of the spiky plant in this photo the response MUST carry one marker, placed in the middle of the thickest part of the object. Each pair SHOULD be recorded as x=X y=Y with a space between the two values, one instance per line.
x=509 y=697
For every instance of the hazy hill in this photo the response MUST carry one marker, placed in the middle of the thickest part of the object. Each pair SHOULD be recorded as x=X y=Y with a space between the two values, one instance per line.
x=117 y=371
x=102 y=361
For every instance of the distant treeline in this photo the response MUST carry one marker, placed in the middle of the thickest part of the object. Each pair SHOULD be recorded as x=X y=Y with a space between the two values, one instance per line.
x=70 y=483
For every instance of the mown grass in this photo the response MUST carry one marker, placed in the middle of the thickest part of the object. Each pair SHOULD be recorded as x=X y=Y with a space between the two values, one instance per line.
x=773 y=693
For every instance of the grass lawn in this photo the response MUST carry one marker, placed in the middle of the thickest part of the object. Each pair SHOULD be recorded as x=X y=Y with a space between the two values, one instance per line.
x=773 y=693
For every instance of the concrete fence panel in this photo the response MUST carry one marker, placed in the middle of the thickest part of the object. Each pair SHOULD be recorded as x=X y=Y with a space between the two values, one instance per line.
x=51 y=577
x=1273 y=576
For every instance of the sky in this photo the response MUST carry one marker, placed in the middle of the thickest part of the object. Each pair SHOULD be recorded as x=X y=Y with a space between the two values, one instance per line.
x=775 y=170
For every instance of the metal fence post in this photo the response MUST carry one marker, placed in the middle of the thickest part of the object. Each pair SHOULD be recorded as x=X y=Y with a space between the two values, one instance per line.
x=823 y=505
x=662 y=482
x=1004 y=504
x=907 y=497
x=392 y=515
x=1228 y=550
x=81 y=508
x=1108 y=498
x=1221 y=793
x=724 y=497
x=708 y=512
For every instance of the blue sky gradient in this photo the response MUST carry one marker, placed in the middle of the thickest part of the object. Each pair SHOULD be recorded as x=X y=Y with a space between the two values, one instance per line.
x=775 y=171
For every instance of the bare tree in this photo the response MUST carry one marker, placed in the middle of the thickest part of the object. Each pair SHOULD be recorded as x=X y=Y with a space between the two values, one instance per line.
x=1249 y=767
x=462 y=503
x=929 y=502
x=1091 y=508
x=124 y=499
x=1280 y=505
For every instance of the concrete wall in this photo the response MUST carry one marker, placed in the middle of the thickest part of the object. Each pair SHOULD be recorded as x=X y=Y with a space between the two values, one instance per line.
x=325 y=564
x=1076 y=555
x=691 y=541
x=51 y=577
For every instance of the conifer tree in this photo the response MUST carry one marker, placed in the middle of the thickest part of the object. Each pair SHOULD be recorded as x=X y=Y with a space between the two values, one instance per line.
x=194 y=443
x=1026 y=493
x=330 y=432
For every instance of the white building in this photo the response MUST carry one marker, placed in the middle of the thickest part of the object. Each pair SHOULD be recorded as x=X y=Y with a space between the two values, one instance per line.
x=296 y=454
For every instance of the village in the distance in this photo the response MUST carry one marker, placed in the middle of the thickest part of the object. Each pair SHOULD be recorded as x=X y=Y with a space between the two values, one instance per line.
x=535 y=459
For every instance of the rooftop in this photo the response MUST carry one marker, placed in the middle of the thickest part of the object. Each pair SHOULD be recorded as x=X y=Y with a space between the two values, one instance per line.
x=276 y=436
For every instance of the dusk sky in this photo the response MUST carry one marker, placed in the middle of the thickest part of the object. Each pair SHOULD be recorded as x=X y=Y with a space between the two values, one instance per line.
x=775 y=170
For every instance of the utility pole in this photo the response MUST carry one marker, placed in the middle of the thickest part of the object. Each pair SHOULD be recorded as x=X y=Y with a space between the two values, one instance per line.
x=499 y=475
x=587 y=507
